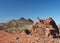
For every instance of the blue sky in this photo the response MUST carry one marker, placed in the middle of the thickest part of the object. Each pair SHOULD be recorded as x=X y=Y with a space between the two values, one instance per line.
x=14 y=9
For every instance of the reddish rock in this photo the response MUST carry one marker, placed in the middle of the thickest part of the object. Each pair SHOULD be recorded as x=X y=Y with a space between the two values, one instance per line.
x=52 y=26
x=42 y=31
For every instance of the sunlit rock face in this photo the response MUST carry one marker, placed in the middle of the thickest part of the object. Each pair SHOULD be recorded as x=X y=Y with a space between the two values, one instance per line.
x=42 y=31
x=47 y=26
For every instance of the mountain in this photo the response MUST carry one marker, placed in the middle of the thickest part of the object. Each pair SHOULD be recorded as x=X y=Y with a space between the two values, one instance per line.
x=16 y=24
x=42 y=31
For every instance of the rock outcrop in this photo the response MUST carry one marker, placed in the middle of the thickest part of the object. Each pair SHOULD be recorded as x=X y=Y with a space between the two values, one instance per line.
x=48 y=26
x=43 y=31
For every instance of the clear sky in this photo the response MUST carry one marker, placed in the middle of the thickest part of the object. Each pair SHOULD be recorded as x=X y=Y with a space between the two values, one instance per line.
x=14 y=9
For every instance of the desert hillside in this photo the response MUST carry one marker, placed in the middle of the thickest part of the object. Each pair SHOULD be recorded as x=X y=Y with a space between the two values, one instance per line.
x=27 y=31
x=16 y=25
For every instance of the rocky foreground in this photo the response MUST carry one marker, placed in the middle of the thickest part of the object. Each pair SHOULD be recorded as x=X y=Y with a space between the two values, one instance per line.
x=43 y=31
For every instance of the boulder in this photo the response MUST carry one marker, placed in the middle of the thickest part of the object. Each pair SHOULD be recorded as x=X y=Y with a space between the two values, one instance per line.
x=48 y=26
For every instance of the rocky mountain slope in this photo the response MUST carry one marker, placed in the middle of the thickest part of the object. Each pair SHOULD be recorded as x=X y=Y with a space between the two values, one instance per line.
x=17 y=25
x=42 y=31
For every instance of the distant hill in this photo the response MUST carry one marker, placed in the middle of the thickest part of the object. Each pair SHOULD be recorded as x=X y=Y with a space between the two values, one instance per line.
x=17 y=25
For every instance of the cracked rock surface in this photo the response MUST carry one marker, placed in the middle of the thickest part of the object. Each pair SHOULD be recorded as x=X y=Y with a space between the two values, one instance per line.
x=43 y=31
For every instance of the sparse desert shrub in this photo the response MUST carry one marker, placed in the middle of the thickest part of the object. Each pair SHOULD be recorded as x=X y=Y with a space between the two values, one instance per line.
x=18 y=29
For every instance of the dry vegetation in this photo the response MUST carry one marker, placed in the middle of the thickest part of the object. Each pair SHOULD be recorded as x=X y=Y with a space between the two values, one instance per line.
x=16 y=25
x=25 y=31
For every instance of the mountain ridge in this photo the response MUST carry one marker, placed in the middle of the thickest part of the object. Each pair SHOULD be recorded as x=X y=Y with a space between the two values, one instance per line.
x=22 y=22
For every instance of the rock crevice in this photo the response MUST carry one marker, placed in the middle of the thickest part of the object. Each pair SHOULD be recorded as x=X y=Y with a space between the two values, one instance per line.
x=42 y=31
